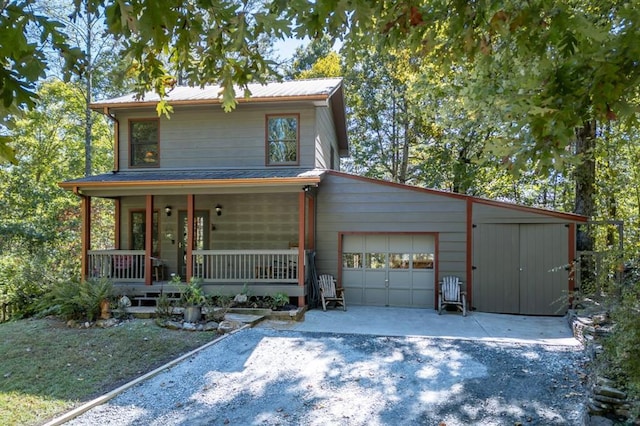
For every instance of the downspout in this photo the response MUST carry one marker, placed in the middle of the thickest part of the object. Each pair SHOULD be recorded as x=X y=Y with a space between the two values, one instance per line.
x=116 y=139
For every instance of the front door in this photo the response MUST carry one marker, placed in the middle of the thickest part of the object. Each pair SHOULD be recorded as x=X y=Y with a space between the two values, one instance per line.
x=200 y=240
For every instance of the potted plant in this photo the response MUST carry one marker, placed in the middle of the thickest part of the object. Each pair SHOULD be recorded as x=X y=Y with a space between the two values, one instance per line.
x=192 y=299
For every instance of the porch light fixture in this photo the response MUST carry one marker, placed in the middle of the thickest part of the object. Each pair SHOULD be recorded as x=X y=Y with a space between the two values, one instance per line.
x=218 y=209
x=167 y=210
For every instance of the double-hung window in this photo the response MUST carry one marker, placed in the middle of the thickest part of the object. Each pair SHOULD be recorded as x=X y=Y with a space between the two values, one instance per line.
x=283 y=139
x=144 y=143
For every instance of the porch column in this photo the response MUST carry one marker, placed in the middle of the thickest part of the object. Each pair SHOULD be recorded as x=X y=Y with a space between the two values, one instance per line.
x=302 y=198
x=148 y=238
x=191 y=204
x=311 y=219
x=118 y=231
x=85 y=235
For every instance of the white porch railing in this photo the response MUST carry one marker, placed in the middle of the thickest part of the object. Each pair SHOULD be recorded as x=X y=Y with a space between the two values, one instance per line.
x=120 y=265
x=256 y=266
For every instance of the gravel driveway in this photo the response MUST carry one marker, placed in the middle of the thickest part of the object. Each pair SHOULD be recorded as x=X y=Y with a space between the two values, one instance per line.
x=263 y=376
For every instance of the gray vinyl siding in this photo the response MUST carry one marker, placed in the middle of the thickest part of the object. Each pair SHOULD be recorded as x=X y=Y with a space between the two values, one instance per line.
x=352 y=205
x=248 y=221
x=207 y=137
x=326 y=139
x=485 y=213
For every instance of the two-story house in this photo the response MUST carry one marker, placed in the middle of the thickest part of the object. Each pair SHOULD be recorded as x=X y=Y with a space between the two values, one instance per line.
x=255 y=198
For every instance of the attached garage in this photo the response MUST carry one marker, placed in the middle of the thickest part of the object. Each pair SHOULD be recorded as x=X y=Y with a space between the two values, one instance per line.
x=389 y=269
x=389 y=244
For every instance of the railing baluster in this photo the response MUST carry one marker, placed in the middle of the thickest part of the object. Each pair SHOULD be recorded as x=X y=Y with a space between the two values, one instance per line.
x=240 y=266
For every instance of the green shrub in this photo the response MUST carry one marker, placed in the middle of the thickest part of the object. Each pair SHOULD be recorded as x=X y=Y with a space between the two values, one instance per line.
x=77 y=300
x=623 y=346
x=280 y=299
x=23 y=280
x=193 y=293
x=164 y=307
x=218 y=305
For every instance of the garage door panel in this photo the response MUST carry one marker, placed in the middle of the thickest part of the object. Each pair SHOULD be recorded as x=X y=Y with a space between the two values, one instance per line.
x=400 y=280
x=375 y=296
x=354 y=295
x=375 y=243
x=422 y=297
x=543 y=283
x=353 y=288
x=374 y=279
x=401 y=298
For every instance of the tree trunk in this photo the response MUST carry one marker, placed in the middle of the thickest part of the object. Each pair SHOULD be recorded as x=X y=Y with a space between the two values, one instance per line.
x=585 y=178
x=88 y=88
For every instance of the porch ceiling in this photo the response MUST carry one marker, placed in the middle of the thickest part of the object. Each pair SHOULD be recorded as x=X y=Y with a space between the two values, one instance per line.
x=178 y=182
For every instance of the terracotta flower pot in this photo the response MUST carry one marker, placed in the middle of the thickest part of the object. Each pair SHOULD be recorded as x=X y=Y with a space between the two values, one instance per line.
x=105 y=311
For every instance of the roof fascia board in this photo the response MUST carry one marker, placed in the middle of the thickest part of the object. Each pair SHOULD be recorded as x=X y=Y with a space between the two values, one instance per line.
x=198 y=183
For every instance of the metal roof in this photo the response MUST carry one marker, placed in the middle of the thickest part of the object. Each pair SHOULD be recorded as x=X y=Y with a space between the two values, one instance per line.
x=321 y=87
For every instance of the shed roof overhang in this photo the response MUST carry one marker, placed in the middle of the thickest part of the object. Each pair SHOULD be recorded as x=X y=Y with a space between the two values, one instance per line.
x=119 y=184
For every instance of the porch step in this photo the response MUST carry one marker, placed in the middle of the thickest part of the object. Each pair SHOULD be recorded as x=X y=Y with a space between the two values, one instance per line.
x=149 y=300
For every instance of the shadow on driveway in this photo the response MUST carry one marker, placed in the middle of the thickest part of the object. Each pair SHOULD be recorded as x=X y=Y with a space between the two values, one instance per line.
x=266 y=376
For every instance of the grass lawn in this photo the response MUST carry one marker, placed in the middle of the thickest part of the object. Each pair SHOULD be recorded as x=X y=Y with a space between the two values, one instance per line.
x=47 y=368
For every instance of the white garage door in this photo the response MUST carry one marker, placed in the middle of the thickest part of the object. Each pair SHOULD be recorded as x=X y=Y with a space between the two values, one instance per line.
x=389 y=269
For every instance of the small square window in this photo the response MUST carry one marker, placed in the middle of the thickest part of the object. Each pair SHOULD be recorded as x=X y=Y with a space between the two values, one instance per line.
x=282 y=139
x=144 y=143
x=375 y=260
x=352 y=260
x=423 y=260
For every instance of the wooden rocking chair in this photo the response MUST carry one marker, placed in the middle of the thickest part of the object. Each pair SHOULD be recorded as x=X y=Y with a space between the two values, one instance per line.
x=452 y=292
x=329 y=292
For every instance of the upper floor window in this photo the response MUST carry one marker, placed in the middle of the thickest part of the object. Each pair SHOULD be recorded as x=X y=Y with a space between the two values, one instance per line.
x=144 y=143
x=283 y=139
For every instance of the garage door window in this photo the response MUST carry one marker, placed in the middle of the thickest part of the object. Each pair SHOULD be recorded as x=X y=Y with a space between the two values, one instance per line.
x=375 y=260
x=423 y=260
x=352 y=260
x=399 y=260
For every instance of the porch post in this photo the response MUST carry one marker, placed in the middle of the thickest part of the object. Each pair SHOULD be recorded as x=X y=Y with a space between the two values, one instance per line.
x=302 y=197
x=311 y=218
x=191 y=202
x=85 y=235
x=148 y=245
x=117 y=231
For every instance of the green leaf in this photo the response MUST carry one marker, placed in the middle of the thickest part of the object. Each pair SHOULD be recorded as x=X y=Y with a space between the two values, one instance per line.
x=7 y=153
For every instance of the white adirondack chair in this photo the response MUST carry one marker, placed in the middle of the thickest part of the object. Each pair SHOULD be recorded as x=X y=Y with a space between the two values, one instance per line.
x=329 y=293
x=452 y=292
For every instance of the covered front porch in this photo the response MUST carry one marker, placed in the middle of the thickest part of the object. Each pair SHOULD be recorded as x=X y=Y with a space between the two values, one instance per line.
x=233 y=234
x=260 y=272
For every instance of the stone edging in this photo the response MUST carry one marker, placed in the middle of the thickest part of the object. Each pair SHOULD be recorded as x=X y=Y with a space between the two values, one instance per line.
x=604 y=399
